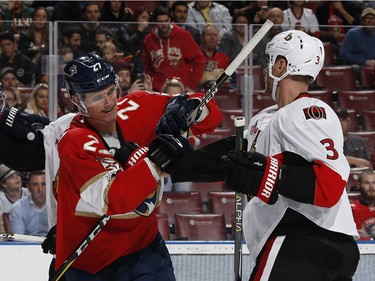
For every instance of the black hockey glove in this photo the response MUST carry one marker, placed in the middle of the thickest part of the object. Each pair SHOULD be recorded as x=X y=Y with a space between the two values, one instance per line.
x=21 y=125
x=252 y=173
x=165 y=150
x=129 y=154
x=174 y=118
x=49 y=244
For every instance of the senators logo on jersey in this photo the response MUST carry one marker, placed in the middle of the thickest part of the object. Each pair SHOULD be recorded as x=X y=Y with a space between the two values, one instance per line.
x=315 y=112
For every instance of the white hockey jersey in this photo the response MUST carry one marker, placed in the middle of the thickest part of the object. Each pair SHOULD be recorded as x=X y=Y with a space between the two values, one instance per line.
x=311 y=129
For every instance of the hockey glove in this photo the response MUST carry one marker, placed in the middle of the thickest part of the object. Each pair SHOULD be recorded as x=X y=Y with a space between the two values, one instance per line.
x=165 y=150
x=129 y=154
x=21 y=125
x=252 y=173
x=49 y=244
x=175 y=116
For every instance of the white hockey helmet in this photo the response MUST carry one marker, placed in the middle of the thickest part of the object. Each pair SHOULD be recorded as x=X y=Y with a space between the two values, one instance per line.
x=304 y=53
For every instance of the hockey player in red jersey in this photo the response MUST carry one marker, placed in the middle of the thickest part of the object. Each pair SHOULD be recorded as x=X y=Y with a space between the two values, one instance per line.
x=298 y=226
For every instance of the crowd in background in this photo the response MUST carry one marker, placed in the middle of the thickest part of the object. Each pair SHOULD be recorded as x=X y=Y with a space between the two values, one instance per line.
x=168 y=46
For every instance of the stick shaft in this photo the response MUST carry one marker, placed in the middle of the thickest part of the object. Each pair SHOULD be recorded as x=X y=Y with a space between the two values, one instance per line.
x=229 y=70
x=239 y=123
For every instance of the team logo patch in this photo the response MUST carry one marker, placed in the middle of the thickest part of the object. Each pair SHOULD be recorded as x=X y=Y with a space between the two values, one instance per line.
x=315 y=112
x=72 y=70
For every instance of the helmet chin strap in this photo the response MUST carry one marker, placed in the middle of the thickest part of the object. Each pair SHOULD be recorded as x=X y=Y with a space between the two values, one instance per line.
x=276 y=80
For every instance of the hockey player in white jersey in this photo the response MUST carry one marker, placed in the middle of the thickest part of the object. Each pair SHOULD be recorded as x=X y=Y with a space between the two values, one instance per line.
x=299 y=224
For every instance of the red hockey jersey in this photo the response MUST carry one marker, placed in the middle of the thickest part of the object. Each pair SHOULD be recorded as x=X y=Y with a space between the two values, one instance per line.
x=91 y=183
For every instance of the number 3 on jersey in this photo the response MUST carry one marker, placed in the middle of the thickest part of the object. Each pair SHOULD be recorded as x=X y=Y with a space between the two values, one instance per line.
x=330 y=147
x=131 y=106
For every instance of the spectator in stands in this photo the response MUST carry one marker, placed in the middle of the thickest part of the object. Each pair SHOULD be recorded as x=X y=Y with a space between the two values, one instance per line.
x=170 y=51
x=18 y=17
x=232 y=42
x=38 y=101
x=201 y=13
x=29 y=214
x=216 y=60
x=179 y=12
x=68 y=11
x=358 y=46
x=8 y=78
x=257 y=12
x=132 y=37
x=364 y=207
x=335 y=19
x=173 y=87
x=123 y=70
x=103 y=35
x=301 y=18
x=10 y=98
x=12 y=57
x=10 y=188
x=275 y=15
x=115 y=11
x=35 y=43
x=91 y=15
x=72 y=37
x=108 y=52
x=355 y=148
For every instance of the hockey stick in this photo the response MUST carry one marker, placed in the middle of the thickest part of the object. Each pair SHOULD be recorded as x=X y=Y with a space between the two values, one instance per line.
x=239 y=123
x=229 y=70
x=69 y=261
x=21 y=237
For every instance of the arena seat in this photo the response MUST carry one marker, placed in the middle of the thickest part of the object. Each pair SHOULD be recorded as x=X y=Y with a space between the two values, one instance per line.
x=258 y=77
x=228 y=118
x=324 y=95
x=368 y=136
x=216 y=135
x=205 y=187
x=358 y=100
x=261 y=100
x=222 y=202
x=200 y=227
x=163 y=224
x=369 y=119
x=228 y=98
x=180 y=202
x=336 y=78
x=367 y=75
x=329 y=58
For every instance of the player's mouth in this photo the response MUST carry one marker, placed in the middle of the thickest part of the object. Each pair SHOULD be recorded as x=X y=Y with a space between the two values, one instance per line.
x=109 y=109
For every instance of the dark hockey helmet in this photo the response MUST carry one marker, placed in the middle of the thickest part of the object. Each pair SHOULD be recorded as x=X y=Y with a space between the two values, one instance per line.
x=89 y=73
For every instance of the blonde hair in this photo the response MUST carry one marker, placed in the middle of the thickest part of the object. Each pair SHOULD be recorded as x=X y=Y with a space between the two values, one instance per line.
x=174 y=82
x=108 y=45
x=31 y=105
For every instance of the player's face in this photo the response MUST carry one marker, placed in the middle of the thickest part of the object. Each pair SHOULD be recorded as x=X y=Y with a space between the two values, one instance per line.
x=367 y=186
x=102 y=105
